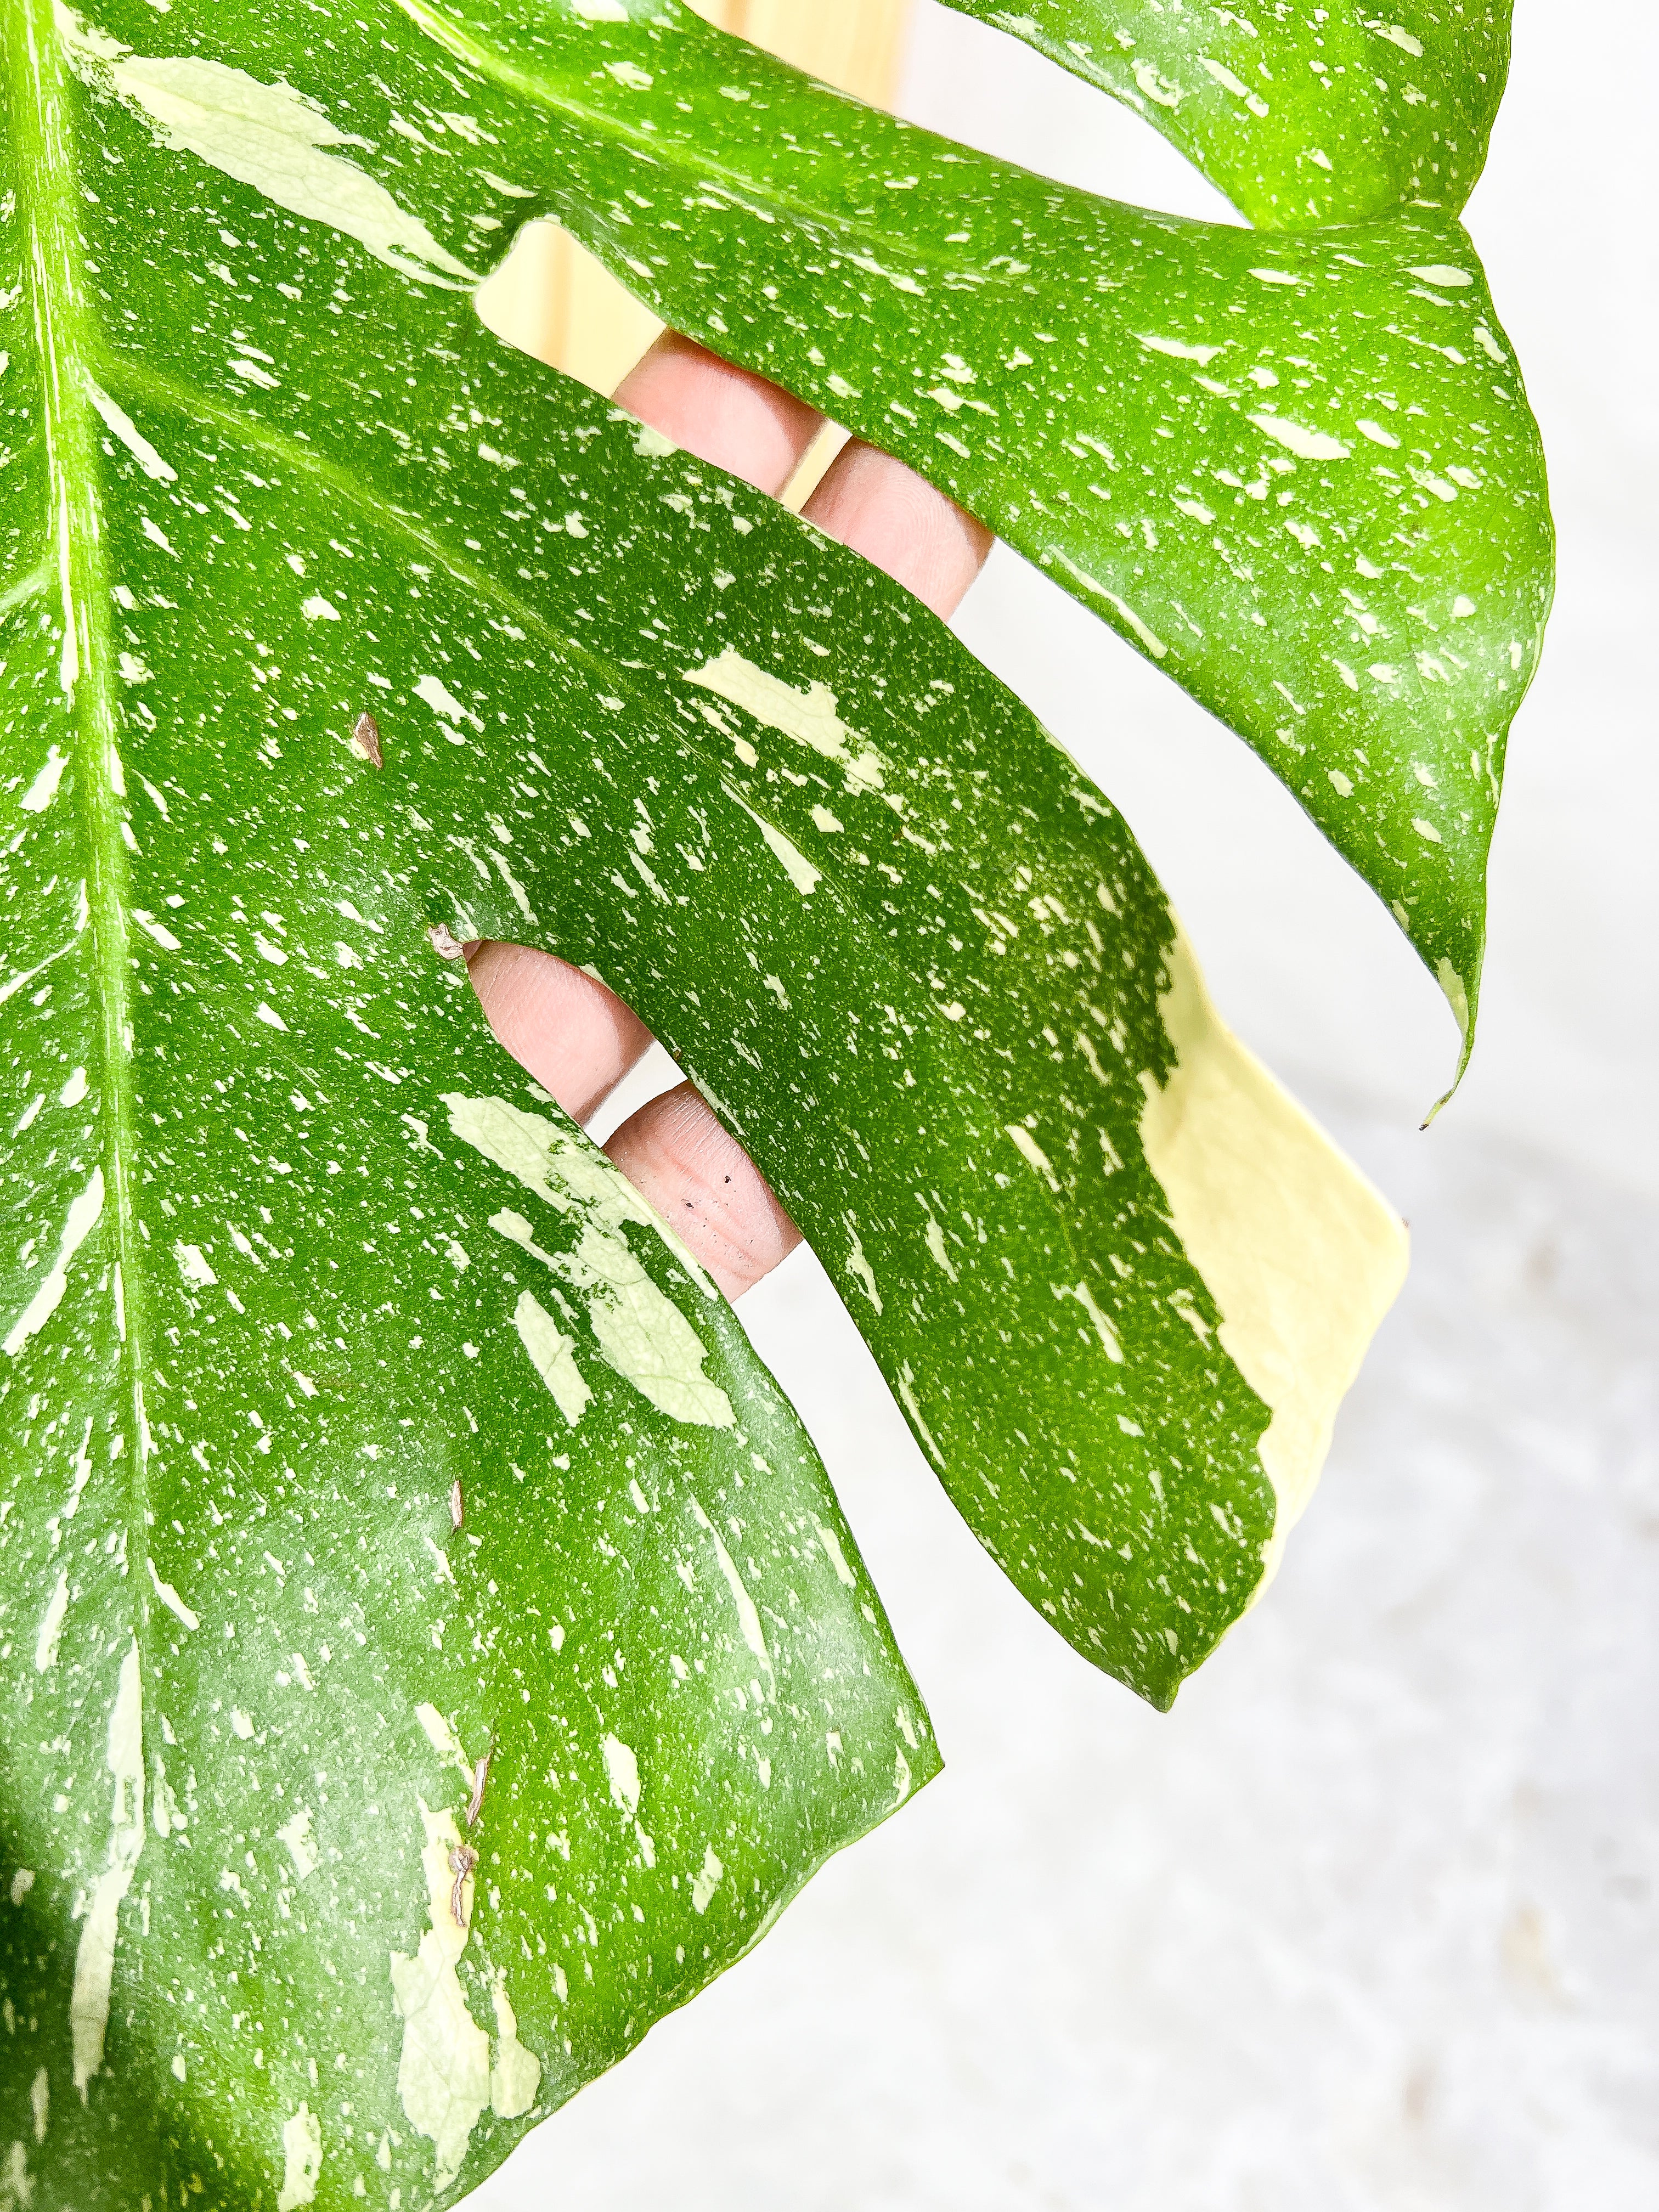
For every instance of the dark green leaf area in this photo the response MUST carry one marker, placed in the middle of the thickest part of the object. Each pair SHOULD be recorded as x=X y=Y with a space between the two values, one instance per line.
x=1299 y=474
x=1304 y=116
x=1025 y=1294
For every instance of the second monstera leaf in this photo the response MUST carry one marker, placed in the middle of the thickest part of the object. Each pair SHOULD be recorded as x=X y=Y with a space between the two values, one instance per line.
x=1304 y=116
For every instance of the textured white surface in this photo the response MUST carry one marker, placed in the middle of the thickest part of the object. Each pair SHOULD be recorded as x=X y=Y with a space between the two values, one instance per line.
x=1368 y=1923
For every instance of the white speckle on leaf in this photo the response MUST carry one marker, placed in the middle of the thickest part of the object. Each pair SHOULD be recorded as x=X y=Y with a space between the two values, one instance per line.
x=1033 y=1153
x=905 y=1385
x=95 y=1956
x=1307 y=445
x=83 y=1215
x=809 y=717
x=52 y=1627
x=796 y=865
x=859 y=1268
x=706 y=1881
x=1157 y=86
x=193 y=1266
x=442 y=701
x=834 y=1553
x=176 y=1606
x=116 y=419
x=651 y=445
x=1148 y=637
x=1179 y=350
x=622 y=1769
x=44 y=789
x=1103 y=1328
x=302 y=2160
x=159 y=930
x=296 y=1833
x=749 y=1618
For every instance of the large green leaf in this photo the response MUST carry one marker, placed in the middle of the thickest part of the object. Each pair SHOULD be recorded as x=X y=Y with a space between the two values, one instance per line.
x=284 y=1227
x=1302 y=115
x=1299 y=474
x=432 y=1648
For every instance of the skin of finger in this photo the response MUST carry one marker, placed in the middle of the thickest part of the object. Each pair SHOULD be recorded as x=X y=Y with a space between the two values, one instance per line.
x=723 y=415
x=564 y=1027
x=900 y=523
x=700 y=1179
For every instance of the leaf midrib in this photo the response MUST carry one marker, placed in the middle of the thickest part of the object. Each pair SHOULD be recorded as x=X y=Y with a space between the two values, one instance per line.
x=48 y=175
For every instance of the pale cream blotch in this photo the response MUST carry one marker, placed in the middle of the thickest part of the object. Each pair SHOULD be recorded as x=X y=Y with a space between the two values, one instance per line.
x=552 y=1353
x=443 y=2072
x=302 y=2160
x=810 y=717
x=267 y=136
x=638 y=1330
x=446 y=2074
x=1301 y=1254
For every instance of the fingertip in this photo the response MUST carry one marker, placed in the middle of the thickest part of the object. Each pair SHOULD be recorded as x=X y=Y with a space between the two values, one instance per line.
x=687 y=1165
x=568 y=1029
x=902 y=524
x=724 y=414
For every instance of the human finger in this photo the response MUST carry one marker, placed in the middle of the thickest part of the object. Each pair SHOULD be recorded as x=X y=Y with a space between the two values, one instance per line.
x=723 y=415
x=900 y=523
x=696 y=1175
x=562 y=1026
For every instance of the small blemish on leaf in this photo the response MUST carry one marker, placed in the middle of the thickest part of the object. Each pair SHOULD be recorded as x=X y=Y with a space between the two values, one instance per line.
x=461 y=1860
x=366 y=740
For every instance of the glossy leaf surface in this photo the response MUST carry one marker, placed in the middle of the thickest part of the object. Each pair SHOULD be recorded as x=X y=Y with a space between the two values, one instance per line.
x=1299 y=474
x=1304 y=116
x=261 y=455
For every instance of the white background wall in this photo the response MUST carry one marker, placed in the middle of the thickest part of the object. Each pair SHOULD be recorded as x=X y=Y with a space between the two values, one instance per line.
x=1369 y=1922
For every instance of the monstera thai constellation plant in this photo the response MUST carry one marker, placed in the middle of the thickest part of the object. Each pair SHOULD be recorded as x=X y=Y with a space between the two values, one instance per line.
x=432 y=1648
